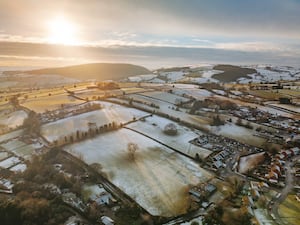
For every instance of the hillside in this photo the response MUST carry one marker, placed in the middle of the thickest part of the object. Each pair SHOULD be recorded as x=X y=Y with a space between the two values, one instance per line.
x=98 y=71
x=232 y=73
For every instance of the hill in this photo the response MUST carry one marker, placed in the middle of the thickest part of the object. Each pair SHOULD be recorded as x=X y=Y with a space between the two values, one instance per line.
x=232 y=73
x=97 y=71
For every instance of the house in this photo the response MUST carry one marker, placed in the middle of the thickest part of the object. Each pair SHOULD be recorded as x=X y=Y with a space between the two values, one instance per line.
x=6 y=186
x=106 y=220
x=195 y=193
x=103 y=199
x=210 y=188
x=218 y=164
x=285 y=100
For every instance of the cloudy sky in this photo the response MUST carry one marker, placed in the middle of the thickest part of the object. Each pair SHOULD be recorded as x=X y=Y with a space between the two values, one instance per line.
x=140 y=31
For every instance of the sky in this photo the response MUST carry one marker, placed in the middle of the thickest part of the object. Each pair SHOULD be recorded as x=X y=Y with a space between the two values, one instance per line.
x=153 y=33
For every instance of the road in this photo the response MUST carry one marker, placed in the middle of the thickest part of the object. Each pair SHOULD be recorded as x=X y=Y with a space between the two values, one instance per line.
x=285 y=191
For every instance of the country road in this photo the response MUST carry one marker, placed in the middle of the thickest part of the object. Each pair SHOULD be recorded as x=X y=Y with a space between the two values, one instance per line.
x=285 y=191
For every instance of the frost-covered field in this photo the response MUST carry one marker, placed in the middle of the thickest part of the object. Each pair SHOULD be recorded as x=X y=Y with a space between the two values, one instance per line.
x=42 y=104
x=197 y=93
x=238 y=133
x=21 y=167
x=173 y=76
x=109 y=113
x=273 y=74
x=205 y=74
x=157 y=178
x=165 y=96
x=154 y=127
x=200 y=80
x=19 y=148
x=9 y=162
x=3 y=155
x=11 y=135
x=139 y=78
x=288 y=107
x=250 y=162
x=262 y=216
x=13 y=119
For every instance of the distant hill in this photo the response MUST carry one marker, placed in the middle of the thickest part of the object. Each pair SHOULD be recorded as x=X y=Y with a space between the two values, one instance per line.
x=232 y=73
x=97 y=71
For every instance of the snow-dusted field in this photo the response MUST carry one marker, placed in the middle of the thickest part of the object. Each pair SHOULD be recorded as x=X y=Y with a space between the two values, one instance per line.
x=238 y=133
x=13 y=119
x=9 y=162
x=288 y=107
x=275 y=73
x=197 y=93
x=109 y=113
x=19 y=148
x=43 y=104
x=165 y=96
x=154 y=126
x=21 y=167
x=200 y=80
x=3 y=155
x=173 y=76
x=139 y=78
x=157 y=178
x=11 y=135
x=250 y=162
x=262 y=215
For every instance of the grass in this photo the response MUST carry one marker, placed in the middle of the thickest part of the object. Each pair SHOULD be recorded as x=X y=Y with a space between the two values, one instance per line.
x=275 y=94
x=266 y=94
x=231 y=73
x=50 y=102
x=289 y=210
x=194 y=74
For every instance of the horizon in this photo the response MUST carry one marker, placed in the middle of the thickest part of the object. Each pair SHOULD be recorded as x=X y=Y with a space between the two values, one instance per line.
x=152 y=34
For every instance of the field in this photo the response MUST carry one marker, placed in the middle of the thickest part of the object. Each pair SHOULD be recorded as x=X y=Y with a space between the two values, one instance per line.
x=19 y=148
x=9 y=162
x=19 y=167
x=239 y=133
x=289 y=210
x=287 y=107
x=3 y=155
x=156 y=178
x=11 y=135
x=154 y=127
x=165 y=97
x=249 y=162
x=42 y=104
x=170 y=109
x=12 y=119
x=199 y=94
x=108 y=114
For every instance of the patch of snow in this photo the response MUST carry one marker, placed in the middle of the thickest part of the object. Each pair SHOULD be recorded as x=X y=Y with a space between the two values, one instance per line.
x=13 y=119
x=108 y=114
x=157 y=178
x=9 y=162
x=21 y=167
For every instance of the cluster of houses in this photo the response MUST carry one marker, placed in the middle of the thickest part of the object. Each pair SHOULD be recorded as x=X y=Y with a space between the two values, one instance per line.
x=201 y=193
x=276 y=168
x=221 y=147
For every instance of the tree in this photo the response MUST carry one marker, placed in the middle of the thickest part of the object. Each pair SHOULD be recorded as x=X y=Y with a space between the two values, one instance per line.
x=132 y=148
x=32 y=123
x=194 y=223
x=239 y=122
x=217 y=121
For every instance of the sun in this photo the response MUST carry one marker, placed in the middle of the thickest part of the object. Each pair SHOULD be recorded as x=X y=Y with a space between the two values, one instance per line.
x=62 y=31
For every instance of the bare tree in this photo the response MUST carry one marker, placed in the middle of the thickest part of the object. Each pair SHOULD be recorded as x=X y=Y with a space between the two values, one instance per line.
x=132 y=148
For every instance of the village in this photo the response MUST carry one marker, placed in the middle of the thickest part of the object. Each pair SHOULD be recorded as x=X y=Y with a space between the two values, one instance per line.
x=141 y=151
